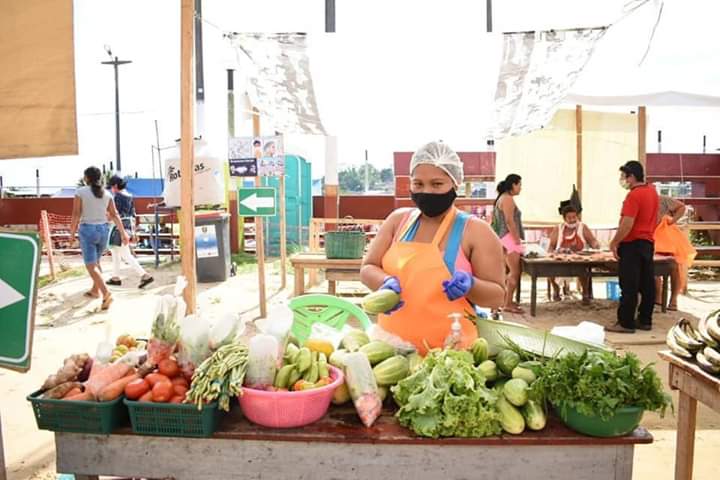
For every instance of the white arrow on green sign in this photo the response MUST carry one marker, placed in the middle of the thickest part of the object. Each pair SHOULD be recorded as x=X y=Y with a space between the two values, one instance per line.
x=257 y=202
x=19 y=259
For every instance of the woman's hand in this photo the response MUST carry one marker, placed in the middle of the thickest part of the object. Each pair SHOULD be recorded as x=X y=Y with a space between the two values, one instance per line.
x=393 y=284
x=124 y=238
x=458 y=286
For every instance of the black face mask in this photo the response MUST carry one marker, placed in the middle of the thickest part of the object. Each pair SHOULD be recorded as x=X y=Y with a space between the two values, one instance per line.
x=434 y=204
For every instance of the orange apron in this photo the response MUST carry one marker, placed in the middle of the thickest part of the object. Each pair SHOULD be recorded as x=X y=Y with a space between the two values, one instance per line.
x=421 y=270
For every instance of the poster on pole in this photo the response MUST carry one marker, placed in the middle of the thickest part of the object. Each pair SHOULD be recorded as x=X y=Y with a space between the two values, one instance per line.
x=256 y=156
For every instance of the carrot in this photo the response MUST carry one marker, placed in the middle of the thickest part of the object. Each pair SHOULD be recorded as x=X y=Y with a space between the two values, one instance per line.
x=86 y=396
x=116 y=388
x=102 y=377
x=73 y=392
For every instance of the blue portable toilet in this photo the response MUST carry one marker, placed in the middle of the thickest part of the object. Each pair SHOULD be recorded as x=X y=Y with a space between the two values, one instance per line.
x=298 y=205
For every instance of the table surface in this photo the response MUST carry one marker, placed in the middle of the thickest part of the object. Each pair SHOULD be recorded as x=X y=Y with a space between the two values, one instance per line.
x=341 y=425
x=318 y=258
x=590 y=260
x=690 y=367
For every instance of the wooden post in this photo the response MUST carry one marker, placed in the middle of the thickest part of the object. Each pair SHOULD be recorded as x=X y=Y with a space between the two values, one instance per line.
x=3 y=473
x=259 y=232
x=578 y=150
x=187 y=154
x=642 y=137
x=47 y=239
x=283 y=234
x=312 y=273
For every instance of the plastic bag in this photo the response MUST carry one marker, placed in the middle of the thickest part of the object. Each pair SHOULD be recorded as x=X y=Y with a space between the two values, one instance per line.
x=401 y=346
x=194 y=344
x=226 y=330
x=320 y=331
x=363 y=388
x=277 y=325
x=165 y=329
x=262 y=361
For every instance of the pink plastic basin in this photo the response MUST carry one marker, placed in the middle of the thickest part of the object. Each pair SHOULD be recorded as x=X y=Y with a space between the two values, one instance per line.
x=289 y=409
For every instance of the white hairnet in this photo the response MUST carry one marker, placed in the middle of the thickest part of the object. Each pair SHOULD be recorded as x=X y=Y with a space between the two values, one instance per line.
x=441 y=156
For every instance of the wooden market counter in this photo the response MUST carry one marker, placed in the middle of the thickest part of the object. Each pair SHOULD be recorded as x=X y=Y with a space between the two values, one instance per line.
x=338 y=446
x=694 y=385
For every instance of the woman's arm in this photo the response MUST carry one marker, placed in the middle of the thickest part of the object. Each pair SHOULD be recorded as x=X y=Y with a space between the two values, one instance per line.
x=371 y=272
x=677 y=210
x=488 y=264
x=590 y=238
x=508 y=209
x=113 y=215
x=554 y=238
x=76 y=212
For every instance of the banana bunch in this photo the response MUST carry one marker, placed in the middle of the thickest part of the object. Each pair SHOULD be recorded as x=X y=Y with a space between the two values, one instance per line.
x=701 y=343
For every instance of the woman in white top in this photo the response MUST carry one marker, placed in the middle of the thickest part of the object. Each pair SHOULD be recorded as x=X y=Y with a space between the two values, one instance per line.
x=92 y=207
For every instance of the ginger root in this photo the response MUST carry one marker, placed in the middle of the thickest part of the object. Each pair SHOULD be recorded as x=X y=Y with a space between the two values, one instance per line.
x=72 y=366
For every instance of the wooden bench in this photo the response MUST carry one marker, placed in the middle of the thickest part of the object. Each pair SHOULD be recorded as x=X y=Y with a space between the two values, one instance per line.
x=335 y=269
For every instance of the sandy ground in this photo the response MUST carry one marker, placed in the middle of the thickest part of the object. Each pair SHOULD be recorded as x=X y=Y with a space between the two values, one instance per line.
x=68 y=323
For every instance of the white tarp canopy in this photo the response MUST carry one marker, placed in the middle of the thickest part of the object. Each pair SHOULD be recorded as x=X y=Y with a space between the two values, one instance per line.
x=659 y=99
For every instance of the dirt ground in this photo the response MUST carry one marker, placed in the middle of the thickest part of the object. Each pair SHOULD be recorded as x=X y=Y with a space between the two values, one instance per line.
x=69 y=323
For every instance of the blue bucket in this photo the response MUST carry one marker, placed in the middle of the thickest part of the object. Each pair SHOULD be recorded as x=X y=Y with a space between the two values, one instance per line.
x=612 y=290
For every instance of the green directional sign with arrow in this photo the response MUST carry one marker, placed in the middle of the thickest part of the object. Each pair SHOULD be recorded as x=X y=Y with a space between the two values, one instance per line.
x=19 y=261
x=257 y=202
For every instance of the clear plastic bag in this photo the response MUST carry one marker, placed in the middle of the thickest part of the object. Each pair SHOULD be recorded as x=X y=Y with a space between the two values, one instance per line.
x=194 y=345
x=277 y=325
x=363 y=388
x=226 y=330
x=320 y=331
x=262 y=361
x=401 y=346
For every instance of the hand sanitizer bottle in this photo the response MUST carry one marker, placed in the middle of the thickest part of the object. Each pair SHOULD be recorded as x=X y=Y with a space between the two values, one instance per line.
x=454 y=339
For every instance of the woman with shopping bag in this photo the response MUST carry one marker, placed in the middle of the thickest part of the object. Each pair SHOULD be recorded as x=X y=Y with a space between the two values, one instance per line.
x=439 y=259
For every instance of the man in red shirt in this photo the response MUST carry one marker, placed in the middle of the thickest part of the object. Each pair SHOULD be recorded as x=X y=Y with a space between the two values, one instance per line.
x=634 y=248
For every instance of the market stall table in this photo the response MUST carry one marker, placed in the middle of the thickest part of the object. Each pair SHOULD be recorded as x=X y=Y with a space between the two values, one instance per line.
x=694 y=385
x=585 y=267
x=338 y=446
x=335 y=269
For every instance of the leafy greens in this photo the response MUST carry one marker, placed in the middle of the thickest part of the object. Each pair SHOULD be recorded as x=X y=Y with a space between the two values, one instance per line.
x=599 y=383
x=447 y=397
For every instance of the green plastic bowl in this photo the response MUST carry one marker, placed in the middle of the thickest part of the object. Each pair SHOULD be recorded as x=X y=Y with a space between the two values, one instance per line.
x=623 y=422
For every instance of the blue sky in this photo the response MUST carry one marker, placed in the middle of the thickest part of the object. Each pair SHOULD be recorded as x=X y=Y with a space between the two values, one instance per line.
x=396 y=74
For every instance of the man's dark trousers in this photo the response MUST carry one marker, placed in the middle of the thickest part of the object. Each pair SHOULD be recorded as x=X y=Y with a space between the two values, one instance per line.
x=637 y=275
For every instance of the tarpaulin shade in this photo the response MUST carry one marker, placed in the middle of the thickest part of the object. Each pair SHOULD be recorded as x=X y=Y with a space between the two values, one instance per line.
x=37 y=79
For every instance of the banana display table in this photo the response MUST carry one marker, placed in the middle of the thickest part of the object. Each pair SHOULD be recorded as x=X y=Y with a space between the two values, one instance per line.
x=338 y=446
x=694 y=385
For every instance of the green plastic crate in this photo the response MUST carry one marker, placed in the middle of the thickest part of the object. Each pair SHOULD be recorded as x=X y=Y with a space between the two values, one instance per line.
x=345 y=245
x=78 y=416
x=173 y=419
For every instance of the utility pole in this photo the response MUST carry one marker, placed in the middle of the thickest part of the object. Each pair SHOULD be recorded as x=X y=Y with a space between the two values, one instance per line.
x=488 y=15
x=367 y=172
x=115 y=63
x=329 y=16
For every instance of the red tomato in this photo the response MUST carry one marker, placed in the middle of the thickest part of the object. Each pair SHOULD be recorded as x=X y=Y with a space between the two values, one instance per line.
x=137 y=388
x=169 y=367
x=162 y=392
x=154 y=378
x=147 y=397
x=177 y=399
x=180 y=381
x=180 y=390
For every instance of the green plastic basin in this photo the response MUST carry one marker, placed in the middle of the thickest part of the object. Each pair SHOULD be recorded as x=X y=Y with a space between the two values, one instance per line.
x=623 y=422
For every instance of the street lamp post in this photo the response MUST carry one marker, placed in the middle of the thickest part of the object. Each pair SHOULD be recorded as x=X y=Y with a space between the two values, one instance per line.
x=115 y=63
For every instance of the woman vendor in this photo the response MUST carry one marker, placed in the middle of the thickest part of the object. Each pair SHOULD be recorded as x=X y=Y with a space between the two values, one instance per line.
x=570 y=236
x=439 y=259
x=670 y=240
x=507 y=223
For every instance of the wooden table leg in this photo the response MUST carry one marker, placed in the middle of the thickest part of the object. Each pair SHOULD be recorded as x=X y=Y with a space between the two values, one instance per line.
x=533 y=295
x=332 y=287
x=299 y=281
x=685 y=445
x=664 y=294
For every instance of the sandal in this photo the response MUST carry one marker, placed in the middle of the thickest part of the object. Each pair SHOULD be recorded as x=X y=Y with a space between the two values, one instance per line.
x=514 y=309
x=145 y=281
x=114 y=282
x=106 y=302
x=672 y=308
x=90 y=294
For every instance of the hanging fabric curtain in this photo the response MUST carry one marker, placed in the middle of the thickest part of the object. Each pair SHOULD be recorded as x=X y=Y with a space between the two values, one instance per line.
x=280 y=84
x=537 y=71
x=37 y=79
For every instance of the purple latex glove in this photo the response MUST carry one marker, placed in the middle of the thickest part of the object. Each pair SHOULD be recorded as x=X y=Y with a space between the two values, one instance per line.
x=392 y=283
x=458 y=286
